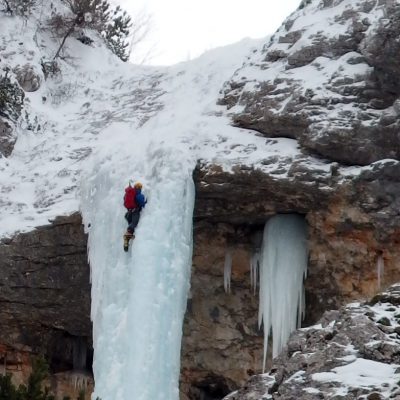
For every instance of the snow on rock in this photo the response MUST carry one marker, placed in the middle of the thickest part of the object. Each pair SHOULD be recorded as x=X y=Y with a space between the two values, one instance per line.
x=326 y=78
x=29 y=77
x=352 y=353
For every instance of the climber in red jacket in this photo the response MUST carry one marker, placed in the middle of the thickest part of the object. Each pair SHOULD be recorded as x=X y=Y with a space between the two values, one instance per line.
x=134 y=202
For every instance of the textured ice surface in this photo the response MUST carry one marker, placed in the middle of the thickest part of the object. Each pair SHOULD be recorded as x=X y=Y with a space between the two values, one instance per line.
x=139 y=297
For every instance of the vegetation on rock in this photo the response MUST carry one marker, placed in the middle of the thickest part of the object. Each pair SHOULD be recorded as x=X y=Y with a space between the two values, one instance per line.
x=11 y=97
x=113 y=25
x=34 y=389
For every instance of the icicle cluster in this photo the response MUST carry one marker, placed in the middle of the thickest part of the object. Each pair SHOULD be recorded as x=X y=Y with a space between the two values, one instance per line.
x=283 y=268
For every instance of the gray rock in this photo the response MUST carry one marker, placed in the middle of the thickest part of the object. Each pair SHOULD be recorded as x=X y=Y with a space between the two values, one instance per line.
x=29 y=77
x=347 y=337
x=45 y=291
x=348 y=119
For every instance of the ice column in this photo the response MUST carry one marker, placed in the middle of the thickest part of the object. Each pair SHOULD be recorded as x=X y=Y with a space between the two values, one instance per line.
x=139 y=297
x=283 y=268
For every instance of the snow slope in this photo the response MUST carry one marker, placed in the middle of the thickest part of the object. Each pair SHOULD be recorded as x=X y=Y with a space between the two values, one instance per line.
x=98 y=101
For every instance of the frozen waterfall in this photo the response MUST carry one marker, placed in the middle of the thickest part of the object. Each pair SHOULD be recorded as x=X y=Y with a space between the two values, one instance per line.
x=139 y=297
x=283 y=268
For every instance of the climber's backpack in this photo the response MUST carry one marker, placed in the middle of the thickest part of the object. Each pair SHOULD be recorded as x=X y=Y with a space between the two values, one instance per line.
x=130 y=198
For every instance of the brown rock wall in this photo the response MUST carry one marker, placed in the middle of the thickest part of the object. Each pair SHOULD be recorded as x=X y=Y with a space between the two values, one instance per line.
x=45 y=303
x=222 y=345
x=352 y=220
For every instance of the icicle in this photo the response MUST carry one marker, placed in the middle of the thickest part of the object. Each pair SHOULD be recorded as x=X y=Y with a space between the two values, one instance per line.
x=254 y=267
x=283 y=268
x=380 y=269
x=228 y=270
x=79 y=381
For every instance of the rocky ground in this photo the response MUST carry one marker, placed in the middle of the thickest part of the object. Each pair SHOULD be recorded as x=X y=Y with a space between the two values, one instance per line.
x=353 y=353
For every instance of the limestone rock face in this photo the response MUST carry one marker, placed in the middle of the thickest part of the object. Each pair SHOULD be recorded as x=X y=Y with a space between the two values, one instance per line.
x=354 y=227
x=328 y=78
x=45 y=298
x=332 y=359
x=28 y=77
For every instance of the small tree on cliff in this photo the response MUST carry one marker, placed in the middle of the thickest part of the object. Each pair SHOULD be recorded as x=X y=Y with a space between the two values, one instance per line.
x=33 y=391
x=7 y=389
x=114 y=26
x=117 y=33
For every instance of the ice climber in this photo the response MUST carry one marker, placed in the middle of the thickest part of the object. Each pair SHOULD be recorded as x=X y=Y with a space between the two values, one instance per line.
x=134 y=201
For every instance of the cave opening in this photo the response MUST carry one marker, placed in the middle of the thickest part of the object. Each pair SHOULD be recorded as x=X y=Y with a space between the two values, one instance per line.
x=213 y=387
x=67 y=352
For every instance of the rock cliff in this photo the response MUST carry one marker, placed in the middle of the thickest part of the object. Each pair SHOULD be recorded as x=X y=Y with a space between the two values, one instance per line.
x=325 y=79
x=45 y=303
